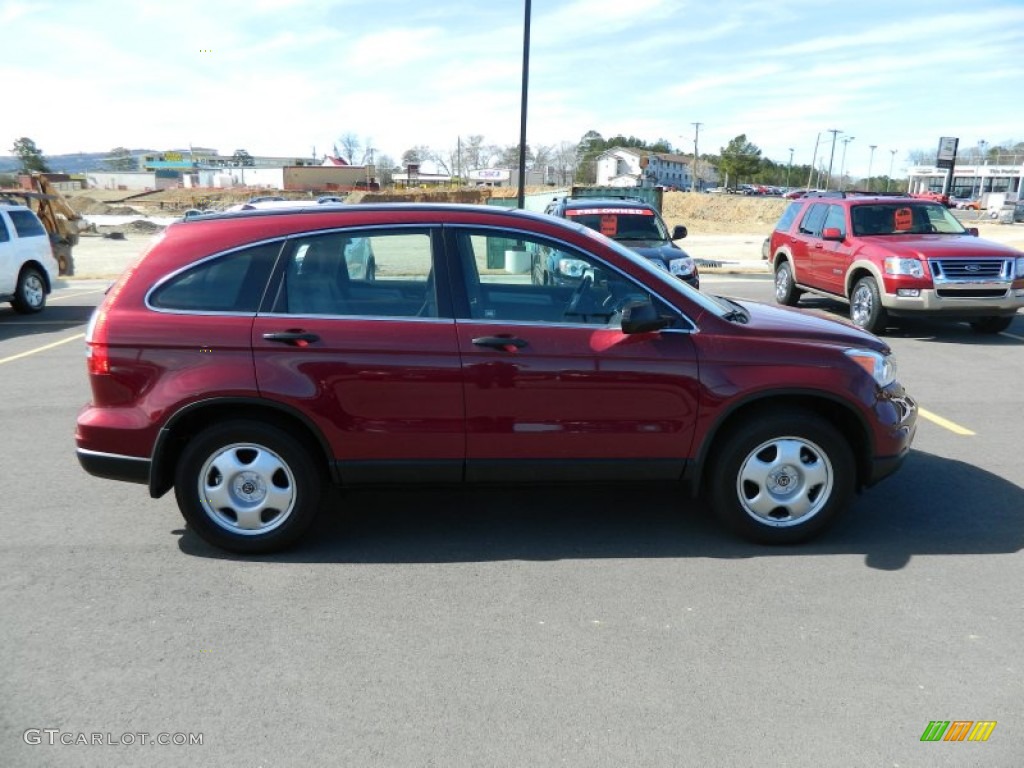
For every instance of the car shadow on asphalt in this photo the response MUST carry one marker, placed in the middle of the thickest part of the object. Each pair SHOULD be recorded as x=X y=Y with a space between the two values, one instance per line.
x=933 y=506
x=54 y=318
x=936 y=330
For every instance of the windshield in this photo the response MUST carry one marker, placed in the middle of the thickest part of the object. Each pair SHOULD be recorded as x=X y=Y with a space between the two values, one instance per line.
x=899 y=218
x=712 y=304
x=621 y=223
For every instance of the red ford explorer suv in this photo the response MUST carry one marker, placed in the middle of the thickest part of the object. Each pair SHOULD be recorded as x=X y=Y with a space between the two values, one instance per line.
x=894 y=256
x=249 y=359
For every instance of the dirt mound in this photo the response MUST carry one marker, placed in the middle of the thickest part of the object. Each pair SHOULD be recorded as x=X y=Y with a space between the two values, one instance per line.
x=716 y=214
x=139 y=227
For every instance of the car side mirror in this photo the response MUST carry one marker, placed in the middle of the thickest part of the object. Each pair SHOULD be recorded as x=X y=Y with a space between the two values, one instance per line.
x=679 y=232
x=973 y=231
x=832 y=233
x=642 y=317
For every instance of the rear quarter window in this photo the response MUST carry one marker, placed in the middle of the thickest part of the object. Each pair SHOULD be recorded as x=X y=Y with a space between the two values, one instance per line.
x=26 y=224
x=4 y=234
x=788 y=217
x=234 y=282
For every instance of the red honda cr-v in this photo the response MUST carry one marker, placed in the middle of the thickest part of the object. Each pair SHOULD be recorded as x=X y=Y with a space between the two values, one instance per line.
x=248 y=359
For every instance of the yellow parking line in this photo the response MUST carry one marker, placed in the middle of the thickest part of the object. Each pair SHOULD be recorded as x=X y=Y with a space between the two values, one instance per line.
x=41 y=349
x=935 y=419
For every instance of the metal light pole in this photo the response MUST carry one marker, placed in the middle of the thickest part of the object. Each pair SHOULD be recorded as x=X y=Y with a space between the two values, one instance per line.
x=892 y=159
x=790 y=168
x=831 y=157
x=981 y=180
x=871 y=160
x=696 y=136
x=842 y=165
x=521 y=201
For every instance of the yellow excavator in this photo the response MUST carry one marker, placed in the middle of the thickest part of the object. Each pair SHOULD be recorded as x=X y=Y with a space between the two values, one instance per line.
x=61 y=221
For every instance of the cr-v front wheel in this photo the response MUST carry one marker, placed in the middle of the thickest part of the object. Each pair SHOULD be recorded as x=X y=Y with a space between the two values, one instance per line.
x=782 y=478
x=247 y=487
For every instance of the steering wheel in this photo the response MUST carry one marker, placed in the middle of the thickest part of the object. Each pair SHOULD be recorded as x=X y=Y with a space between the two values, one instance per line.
x=572 y=309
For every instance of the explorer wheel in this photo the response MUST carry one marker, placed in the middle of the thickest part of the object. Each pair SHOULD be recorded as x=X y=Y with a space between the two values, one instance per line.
x=30 y=295
x=247 y=487
x=866 y=310
x=995 y=324
x=786 y=292
x=782 y=479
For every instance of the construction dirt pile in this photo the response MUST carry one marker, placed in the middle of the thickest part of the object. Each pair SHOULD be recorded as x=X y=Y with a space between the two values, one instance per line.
x=722 y=214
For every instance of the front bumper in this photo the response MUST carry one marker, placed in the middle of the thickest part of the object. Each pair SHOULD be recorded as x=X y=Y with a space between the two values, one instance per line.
x=968 y=300
x=896 y=415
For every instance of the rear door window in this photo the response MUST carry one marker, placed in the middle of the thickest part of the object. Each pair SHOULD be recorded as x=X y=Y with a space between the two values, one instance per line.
x=4 y=234
x=813 y=221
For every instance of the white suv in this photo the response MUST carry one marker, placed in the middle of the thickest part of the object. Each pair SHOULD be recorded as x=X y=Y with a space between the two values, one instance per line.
x=27 y=266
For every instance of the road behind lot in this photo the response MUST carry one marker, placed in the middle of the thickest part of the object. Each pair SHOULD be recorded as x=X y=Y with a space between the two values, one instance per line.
x=531 y=627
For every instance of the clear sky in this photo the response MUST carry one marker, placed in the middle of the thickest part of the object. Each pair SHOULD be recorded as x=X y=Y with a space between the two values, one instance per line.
x=280 y=77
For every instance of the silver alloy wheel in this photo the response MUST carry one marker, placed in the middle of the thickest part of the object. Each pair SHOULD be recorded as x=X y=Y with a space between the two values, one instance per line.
x=33 y=292
x=785 y=481
x=247 y=489
x=861 y=305
x=782 y=280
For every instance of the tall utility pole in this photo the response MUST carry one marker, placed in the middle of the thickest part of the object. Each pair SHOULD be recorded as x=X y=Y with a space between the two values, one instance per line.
x=981 y=179
x=831 y=157
x=521 y=202
x=696 y=155
x=842 y=165
x=790 y=168
x=892 y=159
x=814 y=161
x=871 y=160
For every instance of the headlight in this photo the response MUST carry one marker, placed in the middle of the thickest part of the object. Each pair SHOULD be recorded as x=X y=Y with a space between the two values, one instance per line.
x=681 y=267
x=882 y=368
x=572 y=267
x=1018 y=268
x=896 y=266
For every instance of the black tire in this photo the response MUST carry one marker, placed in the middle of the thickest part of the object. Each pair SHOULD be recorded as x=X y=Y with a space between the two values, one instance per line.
x=866 y=310
x=266 y=463
x=799 y=477
x=786 y=292
x=994 y=324
x=30 y=293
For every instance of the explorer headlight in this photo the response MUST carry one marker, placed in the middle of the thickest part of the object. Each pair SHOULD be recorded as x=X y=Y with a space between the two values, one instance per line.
x=897 y=266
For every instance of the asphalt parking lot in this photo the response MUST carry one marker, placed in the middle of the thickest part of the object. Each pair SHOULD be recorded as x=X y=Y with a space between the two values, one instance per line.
x=532 y=627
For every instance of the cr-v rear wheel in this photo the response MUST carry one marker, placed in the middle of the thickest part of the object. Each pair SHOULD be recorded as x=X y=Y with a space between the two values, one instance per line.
x=247 y=487
x=782 y=478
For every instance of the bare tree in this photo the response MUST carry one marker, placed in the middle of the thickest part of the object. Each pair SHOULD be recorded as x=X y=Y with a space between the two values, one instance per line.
x=566 y=157
x=349 y=147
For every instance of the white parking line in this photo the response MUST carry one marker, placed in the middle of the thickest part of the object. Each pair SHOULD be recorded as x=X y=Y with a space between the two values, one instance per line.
x=41 y=349
x=1013 y=336
x=73 y=295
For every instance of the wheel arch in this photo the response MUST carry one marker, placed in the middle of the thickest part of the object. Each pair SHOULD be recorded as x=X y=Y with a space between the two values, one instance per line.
x=40 y=269
x=195 y=417
x=861 y=269
x=838 y=412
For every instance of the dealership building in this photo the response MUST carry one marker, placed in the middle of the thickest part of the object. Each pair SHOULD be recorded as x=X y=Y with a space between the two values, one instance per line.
x=969 y=181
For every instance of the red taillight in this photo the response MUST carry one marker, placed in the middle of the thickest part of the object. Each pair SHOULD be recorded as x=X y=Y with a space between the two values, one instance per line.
x=98 y=356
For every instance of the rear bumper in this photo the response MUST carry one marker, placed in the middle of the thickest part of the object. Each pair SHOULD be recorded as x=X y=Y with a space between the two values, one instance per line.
x=112 y=466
